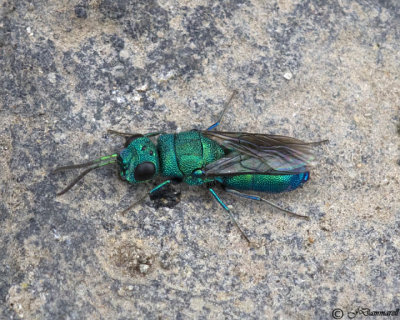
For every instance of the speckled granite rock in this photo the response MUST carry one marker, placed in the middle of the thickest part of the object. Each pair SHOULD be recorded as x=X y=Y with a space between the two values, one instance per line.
x=70 y=70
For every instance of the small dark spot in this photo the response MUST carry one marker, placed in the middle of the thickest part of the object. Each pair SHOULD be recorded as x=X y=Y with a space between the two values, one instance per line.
x=151 y=152
x=398 y=162
x=117 y=42
x=143 y=148
x=176 y=180
x=81 y=11
x=113 y=9
x=166 y=261
x=2 y=37
x=108 y=226
x=172 y=125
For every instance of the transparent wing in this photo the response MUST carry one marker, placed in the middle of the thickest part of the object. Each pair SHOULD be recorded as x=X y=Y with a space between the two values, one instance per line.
x=259 y=154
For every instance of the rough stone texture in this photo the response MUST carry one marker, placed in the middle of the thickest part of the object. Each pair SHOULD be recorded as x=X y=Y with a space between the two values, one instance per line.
x=70 y=70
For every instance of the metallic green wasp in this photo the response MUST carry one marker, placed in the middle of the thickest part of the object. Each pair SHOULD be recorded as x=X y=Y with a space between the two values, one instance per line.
x=236 y=161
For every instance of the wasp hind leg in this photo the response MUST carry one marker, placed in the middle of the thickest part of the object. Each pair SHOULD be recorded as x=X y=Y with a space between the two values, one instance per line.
x=234 y=93
x=252 y=197
x=223 y=205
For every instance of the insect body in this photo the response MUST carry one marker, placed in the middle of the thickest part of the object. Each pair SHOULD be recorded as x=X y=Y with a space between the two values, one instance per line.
x=194 y=157
x=236 y=161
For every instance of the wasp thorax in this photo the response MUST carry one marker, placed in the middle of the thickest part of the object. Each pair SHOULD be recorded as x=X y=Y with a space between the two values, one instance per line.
x=139 y=162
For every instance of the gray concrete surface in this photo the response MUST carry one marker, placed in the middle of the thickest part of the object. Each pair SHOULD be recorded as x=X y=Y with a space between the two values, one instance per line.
x=315 y=70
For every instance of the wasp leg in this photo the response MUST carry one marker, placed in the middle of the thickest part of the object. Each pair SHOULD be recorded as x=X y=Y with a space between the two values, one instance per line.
x=123 y=134
x=160 y=186
x=133 y=205
x=252 y=197
x=223 y=205
x=223 y=111
x=129 y=137
x=144 y=197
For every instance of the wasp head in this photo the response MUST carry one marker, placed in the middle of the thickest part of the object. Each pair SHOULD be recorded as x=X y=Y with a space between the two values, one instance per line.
x=138 y=162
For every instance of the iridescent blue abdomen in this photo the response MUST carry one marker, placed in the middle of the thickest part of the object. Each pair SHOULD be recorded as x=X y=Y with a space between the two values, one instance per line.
x=265 y=183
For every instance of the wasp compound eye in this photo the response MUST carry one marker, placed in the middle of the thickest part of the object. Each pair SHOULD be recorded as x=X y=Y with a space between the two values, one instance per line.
x=145 y=171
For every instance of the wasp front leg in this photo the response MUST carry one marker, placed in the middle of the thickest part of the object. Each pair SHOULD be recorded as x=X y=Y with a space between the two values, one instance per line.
x=152 y=192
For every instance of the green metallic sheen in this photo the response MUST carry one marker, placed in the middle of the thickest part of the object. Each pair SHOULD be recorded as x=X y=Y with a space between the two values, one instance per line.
x=265 y=183
x=139 y=150
x=181 y=154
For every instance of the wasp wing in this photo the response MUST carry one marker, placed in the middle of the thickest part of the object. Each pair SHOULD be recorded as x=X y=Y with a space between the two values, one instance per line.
x=253 y=153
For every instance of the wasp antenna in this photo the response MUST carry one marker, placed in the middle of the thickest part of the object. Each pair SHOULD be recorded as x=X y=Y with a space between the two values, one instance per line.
x=84 y=165
x=74 y=166
x=75 y=181
x=81 y=175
